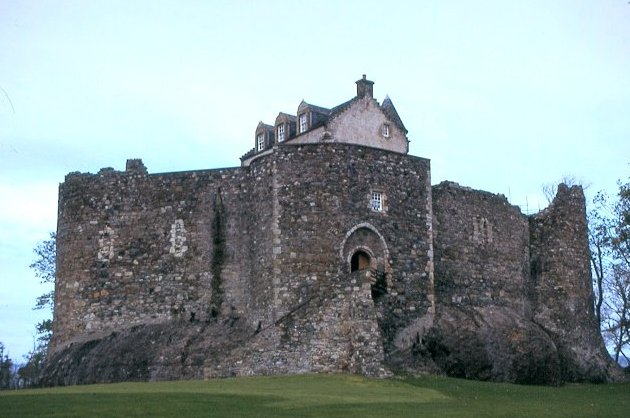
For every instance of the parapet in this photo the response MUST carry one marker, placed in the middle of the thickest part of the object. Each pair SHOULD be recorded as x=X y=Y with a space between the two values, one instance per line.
x=135 y=166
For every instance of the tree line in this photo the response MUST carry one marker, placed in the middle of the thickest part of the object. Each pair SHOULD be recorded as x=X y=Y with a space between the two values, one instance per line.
x=12 y=375
x=609 y=236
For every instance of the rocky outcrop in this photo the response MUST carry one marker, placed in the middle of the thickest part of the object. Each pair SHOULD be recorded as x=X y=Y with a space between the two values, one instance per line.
x=493 y=344
x=325 y=333
x=164 y=351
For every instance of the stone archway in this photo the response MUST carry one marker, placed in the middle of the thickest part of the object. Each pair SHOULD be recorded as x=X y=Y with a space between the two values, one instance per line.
x=364 y=248
x=366 y=238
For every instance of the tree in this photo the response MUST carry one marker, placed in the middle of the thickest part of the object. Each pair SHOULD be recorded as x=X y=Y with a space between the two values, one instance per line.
x=600 y=225
x=45 y=270
x=30 y=372
x=6 y=369
x=609 y=230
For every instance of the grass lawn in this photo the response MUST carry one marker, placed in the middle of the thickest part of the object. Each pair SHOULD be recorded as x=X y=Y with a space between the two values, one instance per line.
x=319 y=396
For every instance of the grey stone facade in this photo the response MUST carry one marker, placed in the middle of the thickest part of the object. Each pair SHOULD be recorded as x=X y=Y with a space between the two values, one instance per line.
x=327 y=250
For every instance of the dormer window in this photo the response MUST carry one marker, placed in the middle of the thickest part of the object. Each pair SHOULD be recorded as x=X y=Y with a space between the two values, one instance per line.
x=303 y=123
x=281 y=134
x=264 y=137
x=385 y=130
x=285 y=127
x=260 y=142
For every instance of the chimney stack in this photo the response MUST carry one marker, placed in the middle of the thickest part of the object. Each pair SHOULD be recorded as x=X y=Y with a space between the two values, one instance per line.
x=365 y=88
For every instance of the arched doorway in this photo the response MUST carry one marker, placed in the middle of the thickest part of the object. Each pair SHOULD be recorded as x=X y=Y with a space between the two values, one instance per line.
x=360 y=261
x=366 y=239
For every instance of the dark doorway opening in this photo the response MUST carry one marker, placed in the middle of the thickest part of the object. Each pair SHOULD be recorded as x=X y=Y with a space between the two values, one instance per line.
x=359 y=261
x=379 y=287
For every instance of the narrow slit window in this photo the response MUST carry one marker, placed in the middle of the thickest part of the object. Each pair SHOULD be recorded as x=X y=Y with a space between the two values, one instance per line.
x=385 y=130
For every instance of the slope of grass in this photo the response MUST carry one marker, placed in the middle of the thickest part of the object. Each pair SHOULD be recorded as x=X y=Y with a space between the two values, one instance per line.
x=318 y=396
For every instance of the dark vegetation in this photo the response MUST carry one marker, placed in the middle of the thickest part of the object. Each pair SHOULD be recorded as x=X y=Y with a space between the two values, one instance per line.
x=609 y=222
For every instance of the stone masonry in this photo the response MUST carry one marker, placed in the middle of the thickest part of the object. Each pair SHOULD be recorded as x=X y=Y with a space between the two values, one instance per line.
x=326 y=251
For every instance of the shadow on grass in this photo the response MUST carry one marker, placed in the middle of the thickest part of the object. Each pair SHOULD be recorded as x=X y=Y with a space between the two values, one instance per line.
x=187 y=405
x=133 y=405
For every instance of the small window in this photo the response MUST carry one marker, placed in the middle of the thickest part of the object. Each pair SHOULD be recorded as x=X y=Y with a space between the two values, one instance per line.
x=260 y=142
x=280 y=133
x=386 y=130
x=377 y=201
x=303 y=123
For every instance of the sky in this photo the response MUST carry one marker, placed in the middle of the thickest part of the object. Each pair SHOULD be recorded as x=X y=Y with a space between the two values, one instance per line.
x=504 y=96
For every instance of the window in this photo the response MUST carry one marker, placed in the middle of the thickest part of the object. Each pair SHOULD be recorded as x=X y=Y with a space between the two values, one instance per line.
x=385 y=130
x=303 y=123
x=377 y=201
x=260 y=142
x=280 y=133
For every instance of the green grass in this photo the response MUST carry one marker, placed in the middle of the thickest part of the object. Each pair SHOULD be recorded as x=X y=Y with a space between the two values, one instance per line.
x=319 y=396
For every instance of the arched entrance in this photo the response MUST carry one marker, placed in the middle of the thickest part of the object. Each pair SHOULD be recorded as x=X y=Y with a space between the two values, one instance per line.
x=363 y=249
x=360 y=261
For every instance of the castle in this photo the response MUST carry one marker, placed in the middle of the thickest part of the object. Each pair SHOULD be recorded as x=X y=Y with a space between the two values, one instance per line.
x=327 y=250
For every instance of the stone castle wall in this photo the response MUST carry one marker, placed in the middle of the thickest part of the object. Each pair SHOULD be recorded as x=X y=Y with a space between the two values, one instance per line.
x=561 y=284
x=258 y=243
x=325 y=217
x=137 y=248
x=481 y=248
x=514 y=292
x=249 y=271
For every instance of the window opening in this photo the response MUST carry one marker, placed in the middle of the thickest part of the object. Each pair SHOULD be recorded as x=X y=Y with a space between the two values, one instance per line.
x=260 y=142
x=386 y=130
x=280 y=133
x=303 y=124
x=377 y=201
x=359 y=261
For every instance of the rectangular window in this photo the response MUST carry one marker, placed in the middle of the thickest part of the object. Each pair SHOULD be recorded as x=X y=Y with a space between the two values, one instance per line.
x=280 y=133
x=260 y=142
x=386 y=130
x=377 y=201
x=303 y=123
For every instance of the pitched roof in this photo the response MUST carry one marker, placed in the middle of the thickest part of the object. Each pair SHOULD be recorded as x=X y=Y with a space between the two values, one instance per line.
x=340 y=108
x=387 y=108
x=283 y=115
x=313 y=108
x=261 y=124
x=390 y=111
x=322 y=116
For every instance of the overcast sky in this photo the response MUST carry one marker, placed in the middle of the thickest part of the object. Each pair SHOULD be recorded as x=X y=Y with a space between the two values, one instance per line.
x=502 y=95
